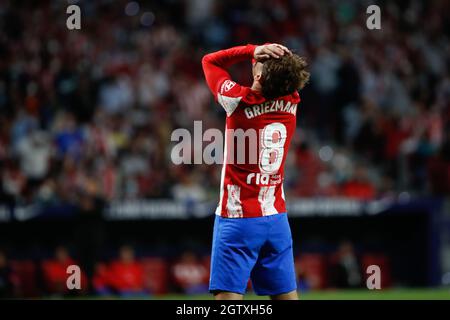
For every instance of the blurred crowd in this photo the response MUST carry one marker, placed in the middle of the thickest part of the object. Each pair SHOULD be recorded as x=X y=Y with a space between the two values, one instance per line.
x=129 y=274
x=123 y=274
x=88 y=114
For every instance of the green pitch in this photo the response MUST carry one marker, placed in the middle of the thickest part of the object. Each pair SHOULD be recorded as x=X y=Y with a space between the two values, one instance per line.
x=387 y=294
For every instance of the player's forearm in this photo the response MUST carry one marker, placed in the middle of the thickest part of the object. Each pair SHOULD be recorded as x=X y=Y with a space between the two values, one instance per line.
x=215 y=64
x=227 y=57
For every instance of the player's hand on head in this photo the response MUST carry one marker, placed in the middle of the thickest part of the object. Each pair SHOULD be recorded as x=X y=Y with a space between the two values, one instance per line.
x=269 y=51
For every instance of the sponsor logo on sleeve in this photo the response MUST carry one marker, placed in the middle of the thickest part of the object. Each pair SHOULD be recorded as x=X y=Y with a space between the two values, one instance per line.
x=227 y=86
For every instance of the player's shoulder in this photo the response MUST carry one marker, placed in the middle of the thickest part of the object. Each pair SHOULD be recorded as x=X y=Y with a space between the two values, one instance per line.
x=231 y=94
x=232 y=89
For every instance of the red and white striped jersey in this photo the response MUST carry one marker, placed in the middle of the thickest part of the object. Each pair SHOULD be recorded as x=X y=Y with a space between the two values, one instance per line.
x=257 y=137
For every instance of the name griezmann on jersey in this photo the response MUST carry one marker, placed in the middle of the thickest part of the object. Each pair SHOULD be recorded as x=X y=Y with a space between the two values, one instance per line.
x=270 y=106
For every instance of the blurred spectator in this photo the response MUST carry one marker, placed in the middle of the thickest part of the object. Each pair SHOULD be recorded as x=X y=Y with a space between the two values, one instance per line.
x=309 y=167
x=439 y=170
x=188 y=189
x=68 y=137
x=345 y=268
x=35 y=151
x=55 y=272
x=13 y=182
x=125 y=274
x=359 y=186
x=190 y=275
x=116 y=95
x=101 y=281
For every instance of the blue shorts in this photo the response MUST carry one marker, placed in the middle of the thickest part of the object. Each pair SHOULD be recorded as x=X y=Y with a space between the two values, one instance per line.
x=259 y=249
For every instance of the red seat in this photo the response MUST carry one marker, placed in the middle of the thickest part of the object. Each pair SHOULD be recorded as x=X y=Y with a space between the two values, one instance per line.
x=206 y=261
x=24 y=278
x=312 y=269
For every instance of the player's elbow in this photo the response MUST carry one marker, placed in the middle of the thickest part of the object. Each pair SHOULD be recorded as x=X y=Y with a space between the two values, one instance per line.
x=206 y=63
x=207 y=59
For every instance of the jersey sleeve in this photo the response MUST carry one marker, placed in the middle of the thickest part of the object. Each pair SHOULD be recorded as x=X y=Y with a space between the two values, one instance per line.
x=226 y=92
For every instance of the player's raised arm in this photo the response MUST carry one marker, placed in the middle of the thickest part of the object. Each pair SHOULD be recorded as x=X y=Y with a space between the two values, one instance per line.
x=226 y=92
x=215 y=64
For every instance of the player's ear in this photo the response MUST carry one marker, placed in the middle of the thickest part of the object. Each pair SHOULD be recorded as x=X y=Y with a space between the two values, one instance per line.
x=257 y=77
